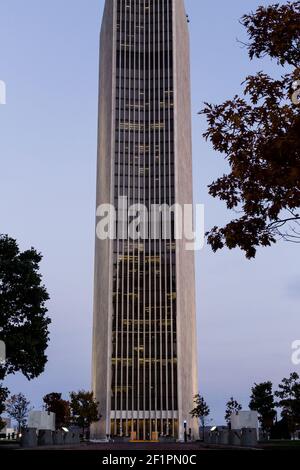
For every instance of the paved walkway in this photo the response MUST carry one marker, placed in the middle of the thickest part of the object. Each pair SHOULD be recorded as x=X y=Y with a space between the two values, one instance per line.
x=134 y=446
x=159 y=446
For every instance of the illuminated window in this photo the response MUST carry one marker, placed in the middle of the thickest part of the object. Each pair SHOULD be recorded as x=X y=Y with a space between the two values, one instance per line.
x=172 y=296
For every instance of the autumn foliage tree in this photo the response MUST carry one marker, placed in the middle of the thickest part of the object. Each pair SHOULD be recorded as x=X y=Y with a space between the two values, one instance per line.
x=17 y=407
x=54 y=403
x=84 y=409
x=259 y=135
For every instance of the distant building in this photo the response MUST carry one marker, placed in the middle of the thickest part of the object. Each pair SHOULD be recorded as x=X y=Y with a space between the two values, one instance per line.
x=144 y=338
x=8 y=430
x=7 y=421
x=43 y=420
x=244 y=420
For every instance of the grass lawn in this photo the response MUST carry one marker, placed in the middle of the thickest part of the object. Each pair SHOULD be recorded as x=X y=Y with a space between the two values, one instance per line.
x=280 y=444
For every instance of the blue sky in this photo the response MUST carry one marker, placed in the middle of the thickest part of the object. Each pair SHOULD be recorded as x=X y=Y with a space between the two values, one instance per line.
x=248 y=311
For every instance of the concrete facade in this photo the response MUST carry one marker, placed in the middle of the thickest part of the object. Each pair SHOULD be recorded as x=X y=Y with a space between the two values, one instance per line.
x=101 y=360
x=186 y=308
x=41 y=420
x=244 y=419
x=144 y=371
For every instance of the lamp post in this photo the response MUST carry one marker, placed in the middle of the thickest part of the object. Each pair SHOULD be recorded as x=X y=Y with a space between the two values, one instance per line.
x=185 y=434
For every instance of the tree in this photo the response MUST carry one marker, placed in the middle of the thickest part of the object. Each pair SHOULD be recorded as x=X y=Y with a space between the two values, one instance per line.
x=17 y=407
x=3 y=397
x=23 y=320
x=201 y=411
x=280 y=430
x=232 y=406
x=258 y=134
x=289 y=400
x=84 y=409
x=262 y=401
x=55 y=404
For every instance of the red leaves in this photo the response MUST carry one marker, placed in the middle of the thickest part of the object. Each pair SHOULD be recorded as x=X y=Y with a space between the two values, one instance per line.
x=259 y=135
x=274 y=31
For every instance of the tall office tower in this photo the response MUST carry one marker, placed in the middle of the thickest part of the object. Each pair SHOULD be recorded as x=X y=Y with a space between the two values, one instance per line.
x=144 y=337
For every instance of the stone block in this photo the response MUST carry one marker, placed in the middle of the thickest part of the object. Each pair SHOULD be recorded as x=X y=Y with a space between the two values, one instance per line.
x=29 y=438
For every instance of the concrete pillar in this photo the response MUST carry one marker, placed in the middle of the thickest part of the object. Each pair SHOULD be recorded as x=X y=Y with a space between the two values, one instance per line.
x=235 y=437
x=249 y=437
x=45 y=437
x=223 y=437
x=58 y=438
x=71 y=438
x=213 y=437
x=29 y=438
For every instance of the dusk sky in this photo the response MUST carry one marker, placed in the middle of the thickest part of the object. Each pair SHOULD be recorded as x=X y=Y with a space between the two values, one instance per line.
x=248 y=311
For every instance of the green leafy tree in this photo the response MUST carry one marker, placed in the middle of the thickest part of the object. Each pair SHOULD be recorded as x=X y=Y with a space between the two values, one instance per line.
x=289 y=400
x=23 y=320
x=232 y=406
x=262 y=401
x=258 y=134
x=84 y=409
x=17 y=408
x=3 y=397
x=201 y=411
x=55 y=404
